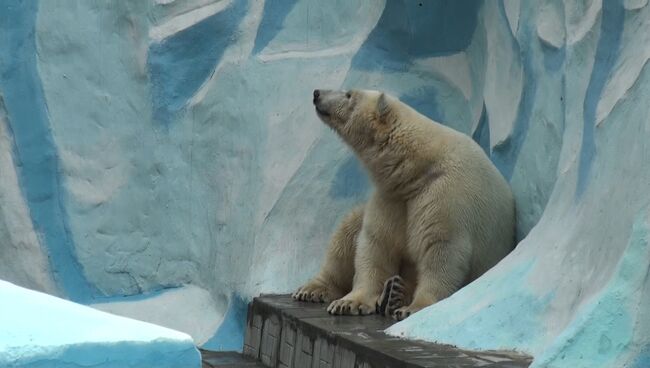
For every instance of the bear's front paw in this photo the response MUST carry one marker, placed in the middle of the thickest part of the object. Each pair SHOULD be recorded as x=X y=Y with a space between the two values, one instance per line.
x=315 y=292
x=350 y=306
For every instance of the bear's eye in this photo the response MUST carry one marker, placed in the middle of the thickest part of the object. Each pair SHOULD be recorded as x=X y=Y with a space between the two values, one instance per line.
x=348 y=95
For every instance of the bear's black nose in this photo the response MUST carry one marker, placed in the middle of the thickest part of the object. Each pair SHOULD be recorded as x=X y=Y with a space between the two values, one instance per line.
x=316 y=95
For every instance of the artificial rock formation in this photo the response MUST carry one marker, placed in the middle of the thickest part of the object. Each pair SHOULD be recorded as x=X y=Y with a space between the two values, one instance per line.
x=149 y=148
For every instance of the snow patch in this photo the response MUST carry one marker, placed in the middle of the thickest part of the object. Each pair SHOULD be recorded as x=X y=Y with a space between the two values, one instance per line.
x=186 y=20
x=454 y=68
x=39 y=329
x=503 y=76
x=178 y=309
x=550 y=24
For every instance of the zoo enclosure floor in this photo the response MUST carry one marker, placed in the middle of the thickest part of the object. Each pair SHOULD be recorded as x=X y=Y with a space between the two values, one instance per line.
x=285 y=333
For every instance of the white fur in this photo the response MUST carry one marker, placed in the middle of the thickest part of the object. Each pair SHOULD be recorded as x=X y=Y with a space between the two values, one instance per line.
x=441 y=214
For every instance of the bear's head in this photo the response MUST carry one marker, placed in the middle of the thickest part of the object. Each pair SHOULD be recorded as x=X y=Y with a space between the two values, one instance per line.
x=362 y=118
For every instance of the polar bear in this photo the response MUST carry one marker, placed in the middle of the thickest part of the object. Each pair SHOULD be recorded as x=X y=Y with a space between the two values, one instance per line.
x=440 y=216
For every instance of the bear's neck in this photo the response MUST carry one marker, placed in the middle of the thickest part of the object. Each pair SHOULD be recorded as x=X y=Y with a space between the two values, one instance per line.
x=409 y=158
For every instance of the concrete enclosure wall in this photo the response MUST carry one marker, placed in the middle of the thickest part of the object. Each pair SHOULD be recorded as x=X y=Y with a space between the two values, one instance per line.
x=161 y=159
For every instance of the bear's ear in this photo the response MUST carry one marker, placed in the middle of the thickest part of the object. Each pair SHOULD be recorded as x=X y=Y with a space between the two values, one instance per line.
x=383 y=107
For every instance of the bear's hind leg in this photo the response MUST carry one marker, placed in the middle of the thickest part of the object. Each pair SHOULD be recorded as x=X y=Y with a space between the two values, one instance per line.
x=398 y=290
x=335 y=276
x=392 y=297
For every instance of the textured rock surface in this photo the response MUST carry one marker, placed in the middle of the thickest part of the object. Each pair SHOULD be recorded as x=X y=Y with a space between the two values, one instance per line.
x=574 y=291
x=158 y=144
x=39 y=330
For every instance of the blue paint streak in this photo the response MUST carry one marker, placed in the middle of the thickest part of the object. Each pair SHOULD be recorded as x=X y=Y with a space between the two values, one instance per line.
x=505 y=154
x=410 y=29
x=482 y=133
x=230 y=335
x=611 y=29
x=273 y=17
x=553 y=58
x=34 y=151
x=180 y=64
x=350 y=181
x=425 y=101
x=643 y=360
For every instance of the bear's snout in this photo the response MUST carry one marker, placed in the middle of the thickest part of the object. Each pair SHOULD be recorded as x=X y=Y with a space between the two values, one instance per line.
x=316 y=96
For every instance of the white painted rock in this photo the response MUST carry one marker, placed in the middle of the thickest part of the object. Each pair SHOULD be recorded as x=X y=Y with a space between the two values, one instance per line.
x=41 y=330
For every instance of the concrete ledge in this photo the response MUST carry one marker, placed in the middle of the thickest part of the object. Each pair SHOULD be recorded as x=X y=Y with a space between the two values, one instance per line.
x=227 y=359
x=284 y=333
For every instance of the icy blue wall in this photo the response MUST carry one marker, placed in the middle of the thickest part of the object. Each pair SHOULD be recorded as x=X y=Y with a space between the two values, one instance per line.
x=160 y=159
x=575 y=292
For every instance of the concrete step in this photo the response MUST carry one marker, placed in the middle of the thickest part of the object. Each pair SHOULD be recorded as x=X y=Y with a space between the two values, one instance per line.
x=227 y=359
x=284 y=333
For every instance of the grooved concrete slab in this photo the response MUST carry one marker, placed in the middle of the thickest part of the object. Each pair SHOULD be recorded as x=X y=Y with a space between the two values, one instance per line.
x=288 y=334
x=227 y=359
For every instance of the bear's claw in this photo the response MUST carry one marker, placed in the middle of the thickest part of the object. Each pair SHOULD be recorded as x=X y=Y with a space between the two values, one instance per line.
x=312 y=292
x=401 y=313
x=349 y=307
x=405 y=312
